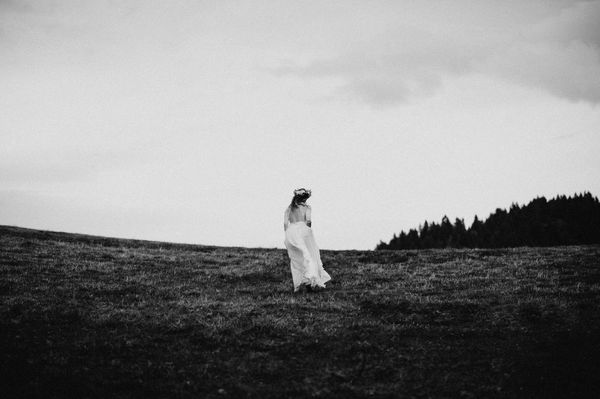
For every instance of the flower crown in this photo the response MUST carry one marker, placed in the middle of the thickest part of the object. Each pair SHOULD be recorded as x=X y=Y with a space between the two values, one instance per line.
x=302 y=191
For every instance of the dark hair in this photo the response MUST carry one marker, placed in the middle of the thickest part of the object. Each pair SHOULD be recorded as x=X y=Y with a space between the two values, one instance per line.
x=299 y=198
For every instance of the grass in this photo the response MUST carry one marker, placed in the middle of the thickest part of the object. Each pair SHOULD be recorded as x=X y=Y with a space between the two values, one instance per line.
x=93 y=317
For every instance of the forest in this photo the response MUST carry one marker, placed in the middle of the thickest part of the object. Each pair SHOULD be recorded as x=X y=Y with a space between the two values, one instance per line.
x=559 y=221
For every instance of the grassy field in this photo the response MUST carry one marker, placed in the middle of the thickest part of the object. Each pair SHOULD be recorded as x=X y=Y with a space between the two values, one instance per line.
x=92 y=317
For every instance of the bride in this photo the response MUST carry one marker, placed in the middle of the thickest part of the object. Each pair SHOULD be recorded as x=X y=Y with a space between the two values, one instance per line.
x=305 y=260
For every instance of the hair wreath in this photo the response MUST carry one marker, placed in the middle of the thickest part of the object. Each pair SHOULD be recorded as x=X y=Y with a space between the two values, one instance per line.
x=302 y=192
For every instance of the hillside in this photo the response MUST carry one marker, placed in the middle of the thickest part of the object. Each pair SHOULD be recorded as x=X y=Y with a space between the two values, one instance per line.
x=94 y=317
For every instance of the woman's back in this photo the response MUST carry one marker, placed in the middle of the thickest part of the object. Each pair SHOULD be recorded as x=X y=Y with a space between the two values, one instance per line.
x=300 y=213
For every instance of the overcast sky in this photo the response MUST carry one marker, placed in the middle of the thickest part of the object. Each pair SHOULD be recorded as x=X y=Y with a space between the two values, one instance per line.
x=193 y=121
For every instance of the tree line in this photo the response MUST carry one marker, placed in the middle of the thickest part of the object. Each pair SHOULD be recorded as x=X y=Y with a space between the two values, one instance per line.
x=559 y=221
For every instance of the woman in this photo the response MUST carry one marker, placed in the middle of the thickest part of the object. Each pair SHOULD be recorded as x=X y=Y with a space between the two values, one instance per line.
x=305 y=260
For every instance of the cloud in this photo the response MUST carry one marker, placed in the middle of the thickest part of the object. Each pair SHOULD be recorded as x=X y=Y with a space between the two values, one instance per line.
x=570 y=70
x=559 y=53
x=576 y=23
x=15 y=6
x=401 y=64
x=67 y=166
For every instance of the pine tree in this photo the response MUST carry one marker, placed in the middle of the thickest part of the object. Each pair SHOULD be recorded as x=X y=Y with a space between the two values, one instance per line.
x=559 y=221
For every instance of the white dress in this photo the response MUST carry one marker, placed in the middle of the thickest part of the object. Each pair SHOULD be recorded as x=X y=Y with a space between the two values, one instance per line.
x=305 y=260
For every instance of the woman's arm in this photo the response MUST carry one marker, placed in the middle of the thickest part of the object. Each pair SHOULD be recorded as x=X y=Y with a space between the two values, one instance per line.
x=286 y=219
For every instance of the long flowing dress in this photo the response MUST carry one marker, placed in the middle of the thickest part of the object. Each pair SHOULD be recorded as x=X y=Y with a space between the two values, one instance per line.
x=305 y=259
